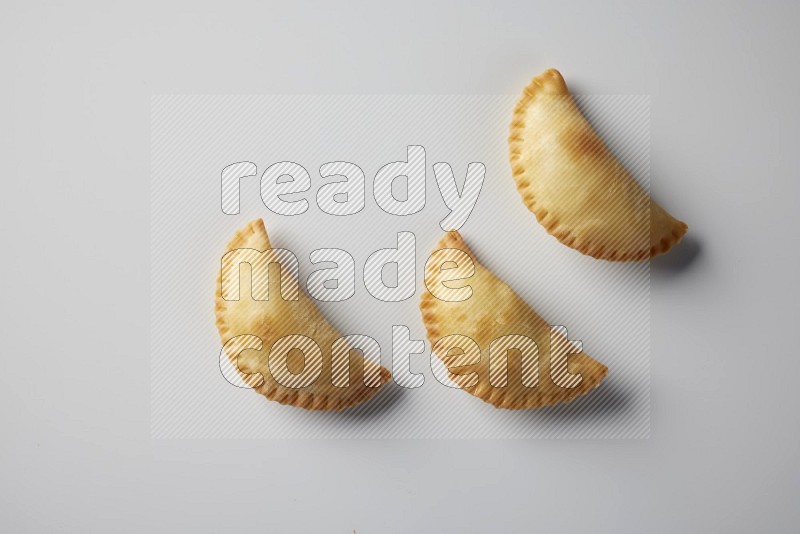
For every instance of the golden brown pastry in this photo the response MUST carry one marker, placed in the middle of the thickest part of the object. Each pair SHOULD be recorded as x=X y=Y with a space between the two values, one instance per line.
x=488 y=320
x=575 y=186
x=250 y=328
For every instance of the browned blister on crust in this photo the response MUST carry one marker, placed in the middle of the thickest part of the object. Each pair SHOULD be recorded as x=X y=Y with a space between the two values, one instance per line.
x=492 y=311
x=275 y=318
x=578 y=190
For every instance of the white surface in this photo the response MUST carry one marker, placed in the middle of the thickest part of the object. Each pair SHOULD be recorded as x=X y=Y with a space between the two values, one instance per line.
x=75 y=453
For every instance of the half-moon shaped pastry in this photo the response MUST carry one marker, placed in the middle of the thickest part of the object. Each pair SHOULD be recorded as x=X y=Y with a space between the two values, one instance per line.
x=575 y=186
x=504 y=353
x=309 y=369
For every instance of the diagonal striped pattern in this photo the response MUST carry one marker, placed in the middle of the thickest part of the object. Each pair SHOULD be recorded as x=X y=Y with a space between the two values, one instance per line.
x=404 y=258
x=560 y=349
x=457 y=351
x=259 y=262
x=460 y=203
x=413 y=169
x=340 y=354
x=231 y=181
x=342 y=197
x=310 y=355
x=229 y=361
x=529 y=360
x=195 y=137
x=446 y=267
x=344 y=274
x=285 y=178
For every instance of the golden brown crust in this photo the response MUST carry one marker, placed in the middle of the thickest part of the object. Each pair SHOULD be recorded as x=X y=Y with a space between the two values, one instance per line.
x=239 y=240
x=492 y=311
x=576 y=140
x=319 y=396
x=428 y=302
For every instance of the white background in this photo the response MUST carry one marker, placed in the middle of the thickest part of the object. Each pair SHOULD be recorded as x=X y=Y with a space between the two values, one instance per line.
x=76 y=453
